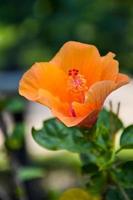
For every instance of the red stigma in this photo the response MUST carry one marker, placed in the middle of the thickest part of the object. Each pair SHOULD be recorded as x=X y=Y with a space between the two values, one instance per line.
x=73 y=72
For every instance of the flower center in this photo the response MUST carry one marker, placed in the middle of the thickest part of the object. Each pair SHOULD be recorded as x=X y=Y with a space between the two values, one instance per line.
x=77 y=88
x=77 y=84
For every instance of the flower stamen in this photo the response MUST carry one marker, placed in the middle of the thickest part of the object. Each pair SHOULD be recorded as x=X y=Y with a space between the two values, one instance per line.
x=77 y=86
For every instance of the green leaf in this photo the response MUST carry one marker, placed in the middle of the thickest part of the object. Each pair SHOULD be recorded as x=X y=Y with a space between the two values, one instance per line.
x=110 y=120
x=124 y=174
x=102 y=136
x=16 y=138
x=89 y=165
x=97 y=183
x=56 y=136
x=90 y=168
x=16 y=104
x=126 y=140
x=103 y=147
x=30 y=173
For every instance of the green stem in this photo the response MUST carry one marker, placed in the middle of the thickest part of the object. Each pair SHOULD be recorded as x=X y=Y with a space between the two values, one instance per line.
x=119 y=150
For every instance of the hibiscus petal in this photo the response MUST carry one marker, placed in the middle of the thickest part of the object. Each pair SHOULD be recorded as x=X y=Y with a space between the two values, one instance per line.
x=96 y=97
x=87 y=112
x=109 y=67
x=43 y=76
x=122 y=79
x=83 y=57
x=45 y=98
x=68 y=121
x=62 y=111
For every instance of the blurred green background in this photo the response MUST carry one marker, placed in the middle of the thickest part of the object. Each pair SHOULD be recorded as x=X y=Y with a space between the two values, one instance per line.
x=33 y=30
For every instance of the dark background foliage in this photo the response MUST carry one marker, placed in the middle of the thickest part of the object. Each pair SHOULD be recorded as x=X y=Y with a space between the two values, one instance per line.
x=33 y=30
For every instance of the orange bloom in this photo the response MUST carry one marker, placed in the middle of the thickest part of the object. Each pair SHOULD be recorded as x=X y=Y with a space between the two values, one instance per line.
x=74 y=84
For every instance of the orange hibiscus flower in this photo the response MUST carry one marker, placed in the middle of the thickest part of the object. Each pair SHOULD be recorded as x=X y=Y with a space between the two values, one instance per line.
x=74 y=84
